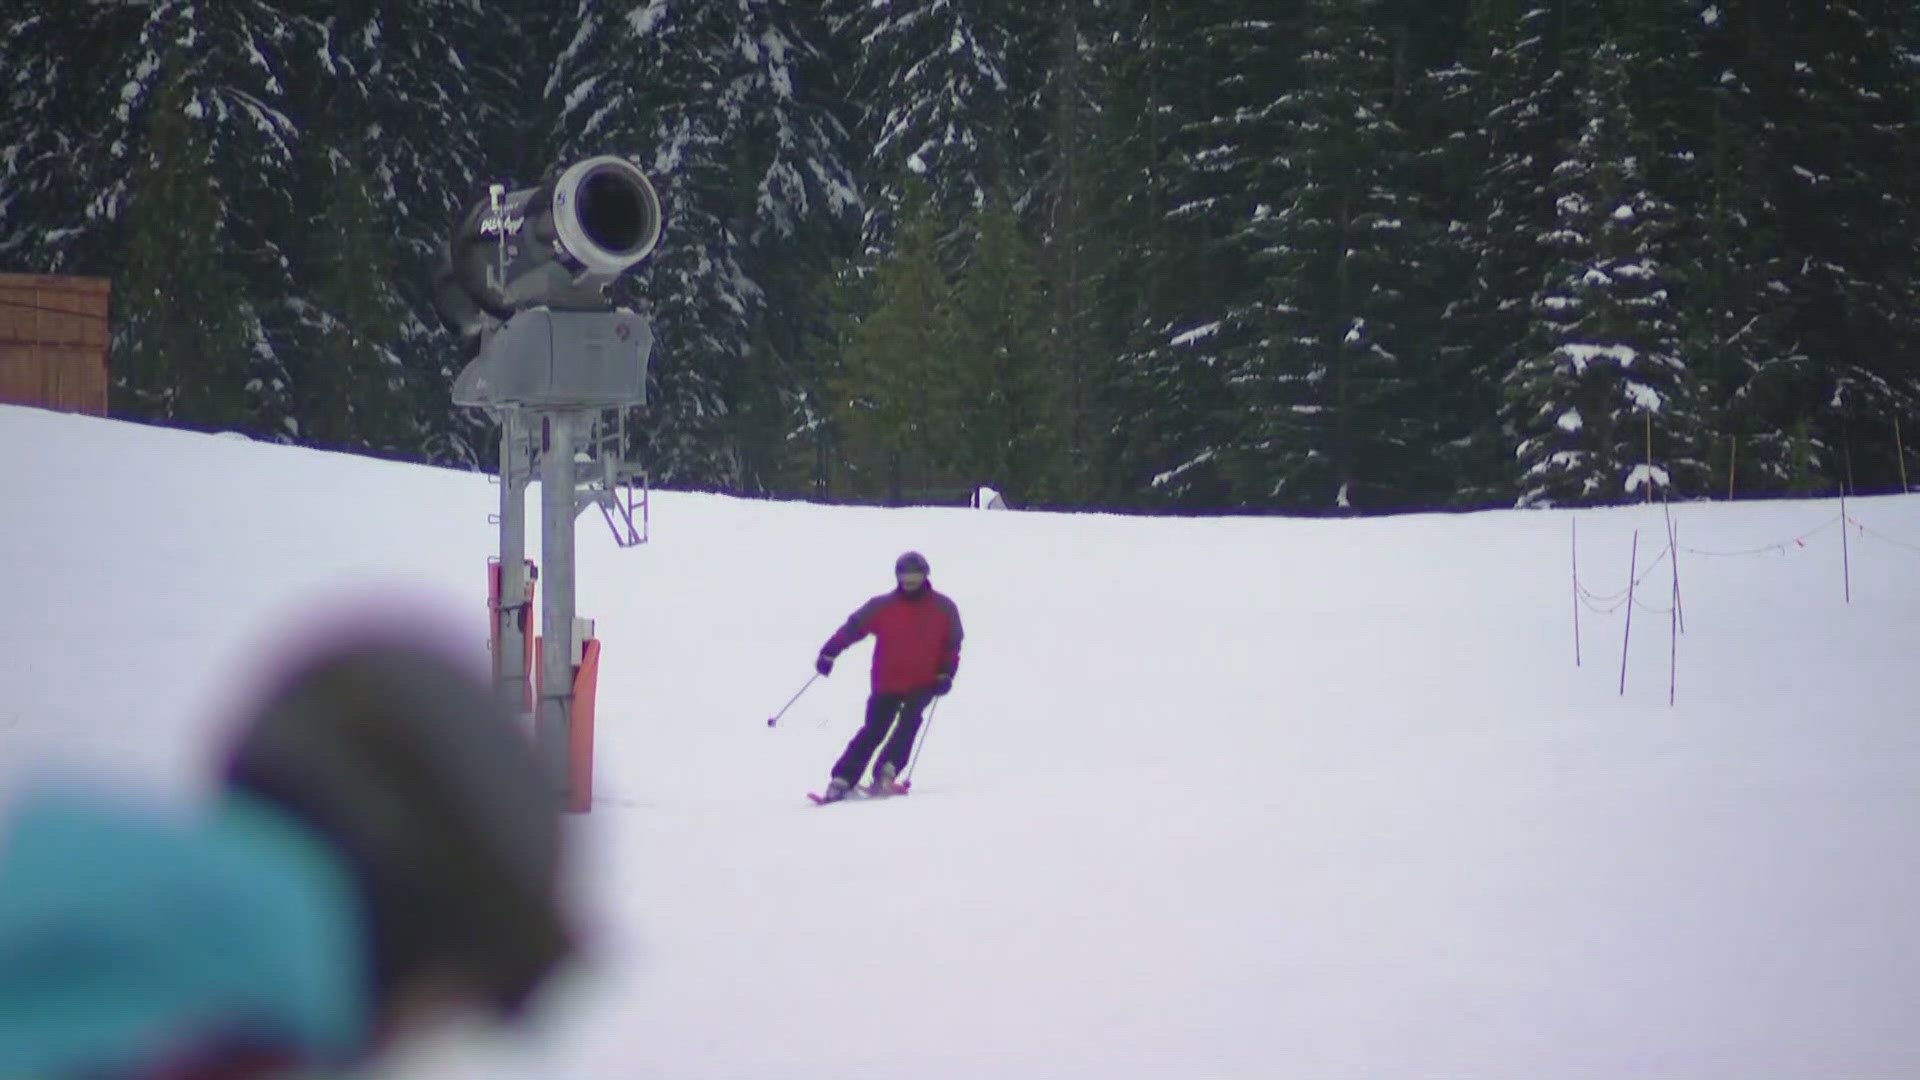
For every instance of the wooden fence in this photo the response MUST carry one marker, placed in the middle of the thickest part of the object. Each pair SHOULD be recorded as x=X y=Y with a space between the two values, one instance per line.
x=53 y=342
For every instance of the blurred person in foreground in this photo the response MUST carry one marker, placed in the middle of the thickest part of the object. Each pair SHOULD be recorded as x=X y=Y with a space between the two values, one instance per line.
x=380 y=855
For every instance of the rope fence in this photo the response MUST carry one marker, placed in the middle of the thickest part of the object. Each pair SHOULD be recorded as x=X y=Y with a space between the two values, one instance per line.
x=1629 y=597
x=1779 y=548
x=1875 y=534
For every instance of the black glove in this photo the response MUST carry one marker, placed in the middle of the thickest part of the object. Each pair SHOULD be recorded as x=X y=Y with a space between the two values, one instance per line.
x=824 y=665
x=941 y=684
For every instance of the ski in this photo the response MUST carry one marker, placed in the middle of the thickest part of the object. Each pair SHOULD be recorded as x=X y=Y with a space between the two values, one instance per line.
x=867 y=792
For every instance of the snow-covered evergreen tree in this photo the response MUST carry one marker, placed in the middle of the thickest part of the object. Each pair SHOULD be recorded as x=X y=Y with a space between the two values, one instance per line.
x=183 y=329
x=266 y=184
x=1505 y=102
x=57 y=110
x=1078 y=76
x=712 y=101
x=1323 y=341
x=1602 y=360
x=1179 y=264
x=1841 y=84
x=1013 y=396
x=896 y=402
x=1731 y=256
x=200 y=158
x=941 y=94
x=397 y=106
x=1119 y=220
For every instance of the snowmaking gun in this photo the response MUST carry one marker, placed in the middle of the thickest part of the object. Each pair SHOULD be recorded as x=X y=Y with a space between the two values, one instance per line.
x=527 y=279
x=560 y=244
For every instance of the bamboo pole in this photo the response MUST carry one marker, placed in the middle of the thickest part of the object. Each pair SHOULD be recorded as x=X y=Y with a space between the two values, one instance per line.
x=1649 y=455
x=1733 y=459
x=1673 y=656
x=1673 y=550
x=1676 y=623
x=1575 y=522
x=1900 y=452
x=1846 y=449
x=1846 y=560
x=1633 y=567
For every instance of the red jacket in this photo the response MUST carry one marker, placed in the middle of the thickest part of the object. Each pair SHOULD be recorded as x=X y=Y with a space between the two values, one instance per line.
x=916 y=637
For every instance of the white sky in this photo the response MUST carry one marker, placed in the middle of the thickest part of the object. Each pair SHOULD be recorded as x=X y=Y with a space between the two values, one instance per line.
x=1211 y=798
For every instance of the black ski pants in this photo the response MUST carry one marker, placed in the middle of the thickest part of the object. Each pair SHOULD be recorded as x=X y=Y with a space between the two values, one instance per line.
x=882 y=710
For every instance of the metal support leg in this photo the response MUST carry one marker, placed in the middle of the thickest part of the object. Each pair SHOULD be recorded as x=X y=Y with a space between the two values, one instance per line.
x=511 y=674
x=554 y=715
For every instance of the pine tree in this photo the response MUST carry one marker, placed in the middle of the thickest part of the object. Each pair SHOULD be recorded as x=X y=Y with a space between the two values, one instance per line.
x=897 y=404
x=809 y=225
x=1335 y=235
x=58 y=116
x=1012 y=396
x=1838 y=85
x=1730 y=252
x=224 y=70
x=1069 y=98
x=709 y=100
x=348 y=385
x=1171 y=410
x=1439 y=402
x=182 y=326
x=1125 y=238
x=1603 y=361
x=34 y=133
x=406 y=110
x=941 y=87
x=1508 y=105
x=313 y=116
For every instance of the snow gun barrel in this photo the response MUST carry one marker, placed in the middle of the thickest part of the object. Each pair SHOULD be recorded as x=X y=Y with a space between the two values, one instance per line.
x=557 y=245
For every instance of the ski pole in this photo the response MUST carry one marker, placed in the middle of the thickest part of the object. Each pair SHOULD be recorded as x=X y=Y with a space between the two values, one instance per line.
x=906 y=778
x=775 y=718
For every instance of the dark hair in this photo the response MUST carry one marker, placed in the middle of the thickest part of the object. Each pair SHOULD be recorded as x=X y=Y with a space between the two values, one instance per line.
x=408 y=766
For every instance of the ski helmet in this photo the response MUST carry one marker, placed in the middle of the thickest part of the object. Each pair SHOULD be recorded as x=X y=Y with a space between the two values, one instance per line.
x=408 y=765
x=910 y=563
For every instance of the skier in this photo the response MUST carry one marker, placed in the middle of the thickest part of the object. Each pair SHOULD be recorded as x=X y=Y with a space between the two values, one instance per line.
x=381 y=850
x=916 y=650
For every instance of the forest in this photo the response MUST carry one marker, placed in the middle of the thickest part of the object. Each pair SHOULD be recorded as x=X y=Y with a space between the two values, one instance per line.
x=1147 y=256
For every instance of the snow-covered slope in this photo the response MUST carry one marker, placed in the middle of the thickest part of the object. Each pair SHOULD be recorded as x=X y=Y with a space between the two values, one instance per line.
x=1211 y=798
